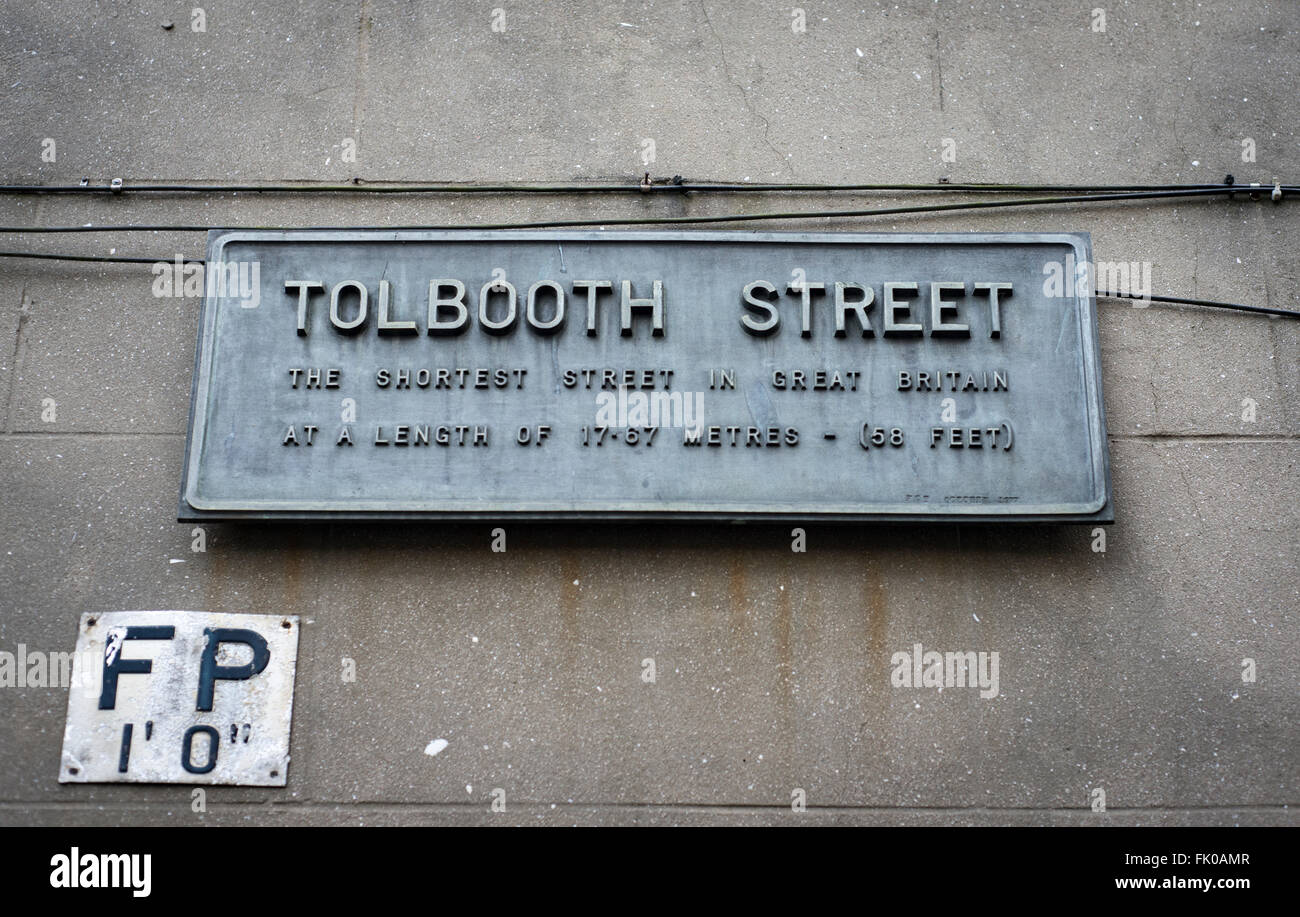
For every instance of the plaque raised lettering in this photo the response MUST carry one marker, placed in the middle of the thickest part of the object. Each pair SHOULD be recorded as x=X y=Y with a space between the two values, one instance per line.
x=615 y=375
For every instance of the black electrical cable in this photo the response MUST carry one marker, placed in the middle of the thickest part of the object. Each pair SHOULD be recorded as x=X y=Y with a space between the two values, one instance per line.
x=1107 y=294
x=662 y=221
x=673 y=185
x=1214 y=304
x=107 y=259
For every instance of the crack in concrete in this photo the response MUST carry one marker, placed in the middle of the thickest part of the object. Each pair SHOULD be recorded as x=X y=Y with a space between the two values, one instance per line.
x=365 y=22
x=938 y=66
x=24 y=313
x=1182 y=473
x=744 y=94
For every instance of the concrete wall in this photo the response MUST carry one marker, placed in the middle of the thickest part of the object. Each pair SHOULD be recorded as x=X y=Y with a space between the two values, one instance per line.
x=1120 y=670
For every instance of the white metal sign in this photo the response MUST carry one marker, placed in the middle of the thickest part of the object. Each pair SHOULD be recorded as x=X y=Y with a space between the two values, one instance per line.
x=181 y=697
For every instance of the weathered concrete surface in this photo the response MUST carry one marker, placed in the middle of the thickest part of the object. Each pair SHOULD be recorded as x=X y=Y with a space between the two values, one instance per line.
x=1119 y=670
x=465 y=815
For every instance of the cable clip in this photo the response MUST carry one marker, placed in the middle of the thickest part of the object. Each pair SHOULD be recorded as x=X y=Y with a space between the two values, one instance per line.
x=646 y=184
x=115 y=186
x=1277 y=191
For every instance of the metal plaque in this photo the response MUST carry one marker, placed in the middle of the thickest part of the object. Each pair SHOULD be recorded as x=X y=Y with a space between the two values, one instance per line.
x=609 y=375
x=181 y=697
